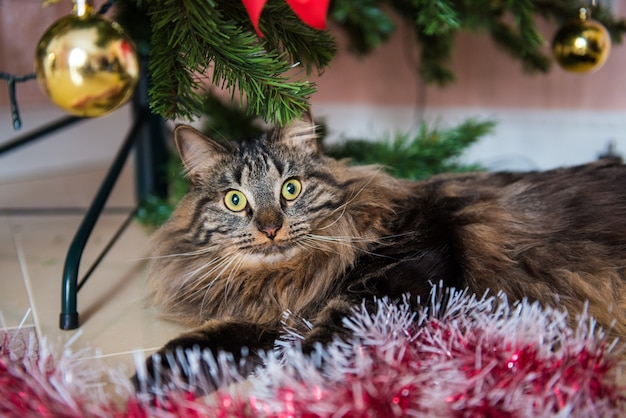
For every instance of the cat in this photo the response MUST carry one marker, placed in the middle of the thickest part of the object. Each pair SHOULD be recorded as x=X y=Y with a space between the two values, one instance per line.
x=271 y=224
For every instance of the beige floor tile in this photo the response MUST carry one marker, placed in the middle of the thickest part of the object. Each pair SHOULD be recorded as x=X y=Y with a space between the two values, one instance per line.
x=14 y=304
x=114 y=320
x=113 y=315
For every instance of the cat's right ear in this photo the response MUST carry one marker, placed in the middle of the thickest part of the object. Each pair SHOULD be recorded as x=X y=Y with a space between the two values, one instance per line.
x=196 y=151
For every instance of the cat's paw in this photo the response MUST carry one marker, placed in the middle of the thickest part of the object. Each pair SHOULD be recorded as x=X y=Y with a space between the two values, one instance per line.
x=215 y=355
x=190 y=370
x=162 y=372
x=328 y=326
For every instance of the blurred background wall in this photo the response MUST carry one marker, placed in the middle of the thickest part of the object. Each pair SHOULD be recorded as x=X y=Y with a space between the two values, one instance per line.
x=543 y=120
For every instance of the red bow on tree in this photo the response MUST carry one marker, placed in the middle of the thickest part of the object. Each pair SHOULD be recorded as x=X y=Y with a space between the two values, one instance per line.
x=311 y=12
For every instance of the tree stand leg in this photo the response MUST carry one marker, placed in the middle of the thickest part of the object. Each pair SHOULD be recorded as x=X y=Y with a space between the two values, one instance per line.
x=69 y=314
x=148 y=136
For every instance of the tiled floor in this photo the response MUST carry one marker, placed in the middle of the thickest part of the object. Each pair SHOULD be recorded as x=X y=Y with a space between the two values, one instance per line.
x=33 y=245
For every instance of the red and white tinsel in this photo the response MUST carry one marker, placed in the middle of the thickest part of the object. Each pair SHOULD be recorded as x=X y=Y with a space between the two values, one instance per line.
x=473 y=357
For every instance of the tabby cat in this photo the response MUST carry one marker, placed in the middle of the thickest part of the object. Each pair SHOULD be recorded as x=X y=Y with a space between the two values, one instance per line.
x=273 y=225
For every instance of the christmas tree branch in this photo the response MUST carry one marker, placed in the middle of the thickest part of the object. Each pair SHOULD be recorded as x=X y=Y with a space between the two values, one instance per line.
x=365 y=23
x=510 y=23
x=195 y=41
x=198 y=37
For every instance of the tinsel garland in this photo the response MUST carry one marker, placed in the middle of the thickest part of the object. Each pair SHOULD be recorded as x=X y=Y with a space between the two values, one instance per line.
x=465 y=357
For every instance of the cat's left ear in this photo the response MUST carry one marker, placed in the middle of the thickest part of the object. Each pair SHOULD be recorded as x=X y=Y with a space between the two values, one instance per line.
x=301 y=134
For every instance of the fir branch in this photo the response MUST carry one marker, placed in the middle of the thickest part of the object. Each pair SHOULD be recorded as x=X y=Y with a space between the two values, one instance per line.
x=524 y=11
x=533 y=60
x=284 y=31
x=522 y=40
x=510 y=23
x=195 y=36
x=435 y=56
x=435 y=27
x=436 y=17
x=418 y=155
x=365 y=23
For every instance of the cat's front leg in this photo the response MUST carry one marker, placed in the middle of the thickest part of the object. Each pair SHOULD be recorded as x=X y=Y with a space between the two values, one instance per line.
x=241 y=341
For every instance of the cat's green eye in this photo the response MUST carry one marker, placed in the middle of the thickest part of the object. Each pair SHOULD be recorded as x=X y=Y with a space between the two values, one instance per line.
x=235 y=200
x=291 y=189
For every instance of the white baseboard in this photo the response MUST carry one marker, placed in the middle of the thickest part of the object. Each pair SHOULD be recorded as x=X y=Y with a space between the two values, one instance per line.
x=522 y=139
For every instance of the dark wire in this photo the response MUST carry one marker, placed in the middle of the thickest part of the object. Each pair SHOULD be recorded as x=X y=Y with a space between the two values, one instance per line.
x=12 y=79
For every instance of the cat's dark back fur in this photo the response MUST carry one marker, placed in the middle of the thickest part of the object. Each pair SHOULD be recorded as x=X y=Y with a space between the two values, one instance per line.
x=353 y=233
x=558 y=237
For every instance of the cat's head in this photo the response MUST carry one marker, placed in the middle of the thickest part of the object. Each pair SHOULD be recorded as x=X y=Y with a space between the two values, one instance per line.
x=267 y=198
x=269 y=224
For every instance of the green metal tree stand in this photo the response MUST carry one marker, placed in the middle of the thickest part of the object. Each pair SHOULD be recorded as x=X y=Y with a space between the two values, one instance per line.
x=147 y=137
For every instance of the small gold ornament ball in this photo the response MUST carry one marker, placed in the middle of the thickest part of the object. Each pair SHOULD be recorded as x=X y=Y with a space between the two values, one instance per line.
x=86 y=65
x=581 y=46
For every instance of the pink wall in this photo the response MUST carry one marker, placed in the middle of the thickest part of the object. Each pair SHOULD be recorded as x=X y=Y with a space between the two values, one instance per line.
x=486 y=77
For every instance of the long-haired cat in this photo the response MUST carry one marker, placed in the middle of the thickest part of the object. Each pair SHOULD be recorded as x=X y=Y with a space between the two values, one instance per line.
x=273 y=225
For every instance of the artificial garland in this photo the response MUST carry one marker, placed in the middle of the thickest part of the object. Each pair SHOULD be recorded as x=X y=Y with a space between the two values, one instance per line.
x=460 y=356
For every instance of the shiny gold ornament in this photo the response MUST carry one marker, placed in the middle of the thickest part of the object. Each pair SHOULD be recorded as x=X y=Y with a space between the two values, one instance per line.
x=582 y=45
x=86 y=64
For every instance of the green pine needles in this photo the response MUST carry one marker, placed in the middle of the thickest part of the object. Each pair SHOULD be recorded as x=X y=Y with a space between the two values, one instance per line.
x=418 y=155
x=204 y=38
x=510 y=24
x=194 y=42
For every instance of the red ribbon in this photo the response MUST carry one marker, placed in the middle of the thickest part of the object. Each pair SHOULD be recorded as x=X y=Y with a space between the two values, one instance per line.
x=311 y=12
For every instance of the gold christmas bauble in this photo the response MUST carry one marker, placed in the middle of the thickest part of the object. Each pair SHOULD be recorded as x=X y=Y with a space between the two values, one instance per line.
x=86 y=64
x=581 y=46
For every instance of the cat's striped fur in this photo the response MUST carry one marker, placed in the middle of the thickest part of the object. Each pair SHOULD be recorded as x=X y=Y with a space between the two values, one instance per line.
x=354 y=233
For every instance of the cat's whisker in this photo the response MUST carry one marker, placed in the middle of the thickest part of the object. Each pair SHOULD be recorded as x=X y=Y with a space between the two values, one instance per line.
x=345 y=242
x=339 y=238
x=224 y=267
x=201 y=251
x=200 y=283
x=316 y=245
x=350 y=242
x=241 y=258
x=330 y=245
x=345 y=205
x=404 y=234
x=221 y=266
x=304 y=246
x=343 y=208
x=213 y=262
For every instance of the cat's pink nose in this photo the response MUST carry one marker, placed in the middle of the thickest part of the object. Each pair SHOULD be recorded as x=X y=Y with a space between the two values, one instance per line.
x=271 y=230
